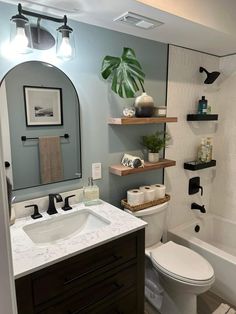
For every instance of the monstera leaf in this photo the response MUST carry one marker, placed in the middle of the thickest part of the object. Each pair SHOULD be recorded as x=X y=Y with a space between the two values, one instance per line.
x=125 y=72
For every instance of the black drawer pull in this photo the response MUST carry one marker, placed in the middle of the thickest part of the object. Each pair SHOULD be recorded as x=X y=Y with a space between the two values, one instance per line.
x=117 y=286
x=114 y=258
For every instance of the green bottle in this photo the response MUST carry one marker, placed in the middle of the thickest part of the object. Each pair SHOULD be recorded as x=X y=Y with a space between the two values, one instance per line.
x=202 y=106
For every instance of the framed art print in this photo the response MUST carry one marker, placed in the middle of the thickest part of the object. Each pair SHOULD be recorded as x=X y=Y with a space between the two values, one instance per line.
x=43 y=106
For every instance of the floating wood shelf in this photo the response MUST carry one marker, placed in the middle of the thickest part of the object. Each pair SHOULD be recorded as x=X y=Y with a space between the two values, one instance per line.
x=121 y=170
x=196 y=165
x=132 y=121
x=202 y=117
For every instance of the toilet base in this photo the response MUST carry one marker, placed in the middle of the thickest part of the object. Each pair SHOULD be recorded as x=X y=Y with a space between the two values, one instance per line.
x=179 y=303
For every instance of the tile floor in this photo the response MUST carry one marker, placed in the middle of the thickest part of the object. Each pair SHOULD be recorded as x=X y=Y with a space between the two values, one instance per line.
x=207 y=303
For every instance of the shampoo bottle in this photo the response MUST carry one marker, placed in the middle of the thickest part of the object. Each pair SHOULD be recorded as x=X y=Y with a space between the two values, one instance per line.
x=202 y=106
x=91 y=192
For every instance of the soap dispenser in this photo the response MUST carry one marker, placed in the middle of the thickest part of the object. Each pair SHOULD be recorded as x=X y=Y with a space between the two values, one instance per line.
x=91 y=192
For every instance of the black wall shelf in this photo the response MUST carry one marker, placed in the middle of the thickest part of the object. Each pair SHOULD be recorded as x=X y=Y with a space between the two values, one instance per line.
x=202 y=117
x=196 y=165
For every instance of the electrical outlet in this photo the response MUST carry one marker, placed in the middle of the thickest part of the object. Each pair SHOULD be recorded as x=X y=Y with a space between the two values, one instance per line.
x=97 y=171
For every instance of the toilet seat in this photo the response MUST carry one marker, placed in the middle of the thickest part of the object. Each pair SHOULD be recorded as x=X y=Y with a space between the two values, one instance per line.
x=181 y=263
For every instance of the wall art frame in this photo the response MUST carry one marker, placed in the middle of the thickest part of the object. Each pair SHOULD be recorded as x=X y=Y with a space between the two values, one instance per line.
x=43 y=106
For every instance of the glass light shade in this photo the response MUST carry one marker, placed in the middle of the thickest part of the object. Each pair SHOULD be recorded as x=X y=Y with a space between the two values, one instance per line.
x=65 y=48
x=20 y=40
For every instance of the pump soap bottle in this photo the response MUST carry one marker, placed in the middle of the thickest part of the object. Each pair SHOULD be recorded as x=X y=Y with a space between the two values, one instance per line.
x=91 y=193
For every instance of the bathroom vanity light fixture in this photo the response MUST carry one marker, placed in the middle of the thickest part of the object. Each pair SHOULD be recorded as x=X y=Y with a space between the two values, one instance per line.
x=25 y=37
x=211 y=76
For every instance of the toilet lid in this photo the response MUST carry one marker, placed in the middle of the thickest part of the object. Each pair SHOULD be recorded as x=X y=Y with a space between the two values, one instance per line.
x=181 y=262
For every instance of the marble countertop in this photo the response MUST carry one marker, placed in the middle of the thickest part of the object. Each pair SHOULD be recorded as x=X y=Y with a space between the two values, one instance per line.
x=29 y=257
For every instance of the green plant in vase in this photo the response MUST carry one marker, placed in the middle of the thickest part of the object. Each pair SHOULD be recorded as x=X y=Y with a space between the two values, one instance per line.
x=127 y=77
x=155 y=143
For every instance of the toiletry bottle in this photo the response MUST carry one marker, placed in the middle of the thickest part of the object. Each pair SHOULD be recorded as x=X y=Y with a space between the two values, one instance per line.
x=202 y=151
x=91 y=192
x=208 y=149
x=202 y=106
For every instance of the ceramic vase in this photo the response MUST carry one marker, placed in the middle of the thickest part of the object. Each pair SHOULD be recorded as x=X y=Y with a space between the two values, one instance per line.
x=153 y=157
x=144 y=106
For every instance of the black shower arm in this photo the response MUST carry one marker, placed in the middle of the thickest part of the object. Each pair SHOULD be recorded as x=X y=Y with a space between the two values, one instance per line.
x=201 y=69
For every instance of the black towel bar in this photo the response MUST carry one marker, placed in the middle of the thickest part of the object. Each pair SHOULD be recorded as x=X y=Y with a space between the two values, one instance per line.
x=24 y=138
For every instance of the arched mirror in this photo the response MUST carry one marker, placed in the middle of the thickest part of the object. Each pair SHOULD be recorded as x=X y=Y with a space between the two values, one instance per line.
x=40 y=121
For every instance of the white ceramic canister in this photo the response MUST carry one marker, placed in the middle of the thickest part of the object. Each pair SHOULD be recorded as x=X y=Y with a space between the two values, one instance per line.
x=149 y=193
x=160 y=190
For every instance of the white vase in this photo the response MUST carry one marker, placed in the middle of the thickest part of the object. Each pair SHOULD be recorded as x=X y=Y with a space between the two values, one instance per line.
x=153 y=157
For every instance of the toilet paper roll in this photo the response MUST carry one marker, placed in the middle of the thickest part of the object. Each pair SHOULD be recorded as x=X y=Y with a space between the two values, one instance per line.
x=160 y=190
x=135 y=197
x=149 y=193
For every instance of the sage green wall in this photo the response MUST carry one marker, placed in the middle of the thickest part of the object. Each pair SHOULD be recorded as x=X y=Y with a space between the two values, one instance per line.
x=100 y=142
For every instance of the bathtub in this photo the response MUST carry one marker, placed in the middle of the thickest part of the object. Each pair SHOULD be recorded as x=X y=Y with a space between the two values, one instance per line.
x=215 y=239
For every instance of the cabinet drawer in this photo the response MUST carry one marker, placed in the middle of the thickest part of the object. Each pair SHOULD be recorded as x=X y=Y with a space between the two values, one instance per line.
x=126 y=304
x=104 y=291
x=80 y=270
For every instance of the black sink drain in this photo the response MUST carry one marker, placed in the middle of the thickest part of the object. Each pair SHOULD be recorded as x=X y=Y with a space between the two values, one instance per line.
x=197 y=228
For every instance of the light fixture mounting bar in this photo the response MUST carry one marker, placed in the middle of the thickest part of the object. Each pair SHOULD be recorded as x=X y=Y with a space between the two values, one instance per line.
x=42 y=16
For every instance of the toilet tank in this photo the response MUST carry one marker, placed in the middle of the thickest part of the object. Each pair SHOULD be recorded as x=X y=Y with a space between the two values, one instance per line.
x=155 y=216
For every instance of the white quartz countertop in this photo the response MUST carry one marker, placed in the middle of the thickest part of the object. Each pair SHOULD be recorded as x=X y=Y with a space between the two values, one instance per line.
x=29 y=257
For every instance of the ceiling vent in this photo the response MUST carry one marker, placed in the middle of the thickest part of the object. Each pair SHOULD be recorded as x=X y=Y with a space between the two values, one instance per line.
x=138 y=20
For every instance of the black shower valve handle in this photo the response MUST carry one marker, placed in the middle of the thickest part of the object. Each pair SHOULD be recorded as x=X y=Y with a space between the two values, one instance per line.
x=194 y=186
x=201 y=188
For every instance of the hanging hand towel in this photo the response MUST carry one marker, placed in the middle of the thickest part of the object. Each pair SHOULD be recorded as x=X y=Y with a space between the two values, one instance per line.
x=50 y=157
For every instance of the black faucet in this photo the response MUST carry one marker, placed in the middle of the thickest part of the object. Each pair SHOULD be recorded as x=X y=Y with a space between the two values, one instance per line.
x=199 y=207
x=51 y=206
x=36 y=213
x=66 y=204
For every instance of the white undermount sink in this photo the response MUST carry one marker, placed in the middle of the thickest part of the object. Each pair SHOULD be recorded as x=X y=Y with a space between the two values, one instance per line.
x=64 y=225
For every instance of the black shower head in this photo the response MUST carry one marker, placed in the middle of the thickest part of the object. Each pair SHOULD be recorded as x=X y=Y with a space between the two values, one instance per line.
x=211 y=77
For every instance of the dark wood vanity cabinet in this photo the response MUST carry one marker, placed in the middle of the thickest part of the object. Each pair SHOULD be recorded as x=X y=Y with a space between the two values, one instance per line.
x=106 y=279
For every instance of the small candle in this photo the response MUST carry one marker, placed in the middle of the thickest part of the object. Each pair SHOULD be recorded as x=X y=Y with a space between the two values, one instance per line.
x=160 y=111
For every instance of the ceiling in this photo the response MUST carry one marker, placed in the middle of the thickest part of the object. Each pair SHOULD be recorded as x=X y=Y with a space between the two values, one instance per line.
x=207 y=26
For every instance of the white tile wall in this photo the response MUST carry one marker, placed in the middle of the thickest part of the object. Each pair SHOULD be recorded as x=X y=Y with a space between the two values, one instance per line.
x=223 y=196
x=185 y=87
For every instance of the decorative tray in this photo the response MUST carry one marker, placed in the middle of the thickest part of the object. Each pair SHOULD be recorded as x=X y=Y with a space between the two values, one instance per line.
x=145 y=205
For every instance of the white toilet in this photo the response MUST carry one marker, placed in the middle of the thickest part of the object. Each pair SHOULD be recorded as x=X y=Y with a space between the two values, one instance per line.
x=183 y=273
